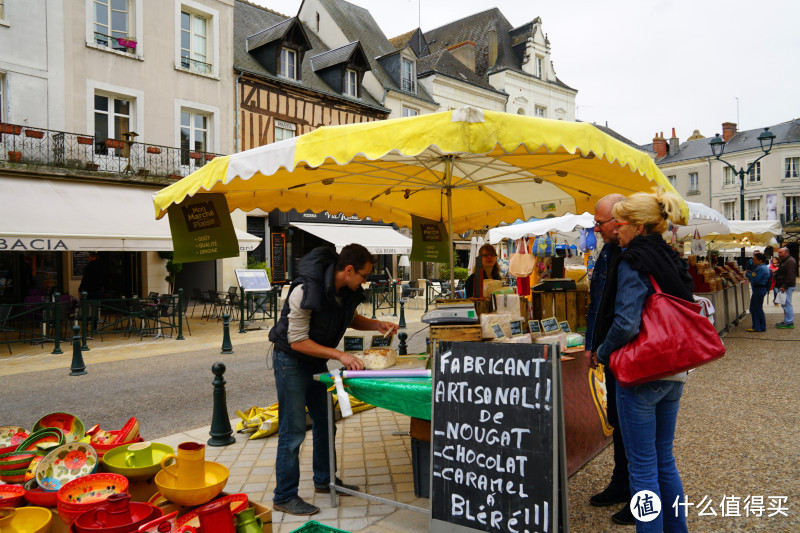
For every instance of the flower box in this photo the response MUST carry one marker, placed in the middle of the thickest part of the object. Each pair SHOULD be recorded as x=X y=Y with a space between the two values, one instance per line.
x=34 y=134
x=92 y=166
x=175 y=176
x=194 y=155
x=153 y=150
x=10 y=128
x=209 y=157
x=127 y=43
x=85 y=140
x=114 y=143
x=15 y=157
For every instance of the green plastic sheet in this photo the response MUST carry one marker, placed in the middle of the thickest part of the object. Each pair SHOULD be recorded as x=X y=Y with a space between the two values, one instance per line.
x=409 y=396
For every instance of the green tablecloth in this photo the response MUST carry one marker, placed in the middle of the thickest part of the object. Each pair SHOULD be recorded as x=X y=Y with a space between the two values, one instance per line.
x=409 y=396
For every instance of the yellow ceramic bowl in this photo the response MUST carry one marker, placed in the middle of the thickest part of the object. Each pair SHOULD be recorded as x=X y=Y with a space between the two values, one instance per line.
x=169 y=487
x=32 y=519
x=114 y=461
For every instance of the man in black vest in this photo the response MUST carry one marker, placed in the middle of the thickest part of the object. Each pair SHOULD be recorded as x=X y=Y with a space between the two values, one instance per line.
x=320 y=306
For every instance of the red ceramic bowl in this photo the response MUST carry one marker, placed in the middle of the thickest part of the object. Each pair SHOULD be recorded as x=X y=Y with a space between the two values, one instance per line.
x=103 y=448
x=141 y=513
x=36 y=495
x=11 y=496
x=15 y=460
x=87 y=490
x=13 y=476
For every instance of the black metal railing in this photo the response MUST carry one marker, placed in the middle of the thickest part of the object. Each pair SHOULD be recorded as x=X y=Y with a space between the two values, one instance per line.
x=195 y=65
x=22 y=145
x=121 y=44
x=383 y=295
x=790 y=219
x=256 y=306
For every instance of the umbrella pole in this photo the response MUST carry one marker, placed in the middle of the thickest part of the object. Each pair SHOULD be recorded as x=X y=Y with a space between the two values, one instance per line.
x=448 y=173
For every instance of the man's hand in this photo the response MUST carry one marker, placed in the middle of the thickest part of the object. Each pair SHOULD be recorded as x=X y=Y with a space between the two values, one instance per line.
x=351 y=362
x=387 y=327
x=591 y=358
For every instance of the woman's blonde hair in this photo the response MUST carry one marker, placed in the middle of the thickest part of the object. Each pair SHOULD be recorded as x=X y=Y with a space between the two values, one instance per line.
x=652 y=210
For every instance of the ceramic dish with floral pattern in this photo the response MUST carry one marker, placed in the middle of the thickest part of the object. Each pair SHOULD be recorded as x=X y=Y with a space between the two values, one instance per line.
x=12 y=436
x=65 y=463
x=70 y=425
x=90 y=489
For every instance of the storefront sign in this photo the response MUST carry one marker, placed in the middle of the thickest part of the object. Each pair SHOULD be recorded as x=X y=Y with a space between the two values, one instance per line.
x=429 y=241
x=9 y=244
x=202 y=229
x=497 y=455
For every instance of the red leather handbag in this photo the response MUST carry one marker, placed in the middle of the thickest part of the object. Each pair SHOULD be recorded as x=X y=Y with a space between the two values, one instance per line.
x=673 y=337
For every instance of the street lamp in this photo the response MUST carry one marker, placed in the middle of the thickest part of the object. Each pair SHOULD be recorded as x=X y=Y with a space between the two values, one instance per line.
x=766 y=138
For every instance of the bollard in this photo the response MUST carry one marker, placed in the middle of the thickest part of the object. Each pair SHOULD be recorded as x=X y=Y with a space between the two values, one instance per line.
x=394 y=298
x=402 y=323
x=227 y=347
x=180 y=336
x=402 y=348
x=78 y=367
x=57 y=324
x=221 y=432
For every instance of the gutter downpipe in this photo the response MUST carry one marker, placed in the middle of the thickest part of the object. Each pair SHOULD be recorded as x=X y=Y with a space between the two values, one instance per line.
x=236 y=113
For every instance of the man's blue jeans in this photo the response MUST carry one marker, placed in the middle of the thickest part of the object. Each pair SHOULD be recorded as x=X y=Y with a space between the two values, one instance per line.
x=647 y=416
x=788 y=310
x=297 y=390
x=757 y=309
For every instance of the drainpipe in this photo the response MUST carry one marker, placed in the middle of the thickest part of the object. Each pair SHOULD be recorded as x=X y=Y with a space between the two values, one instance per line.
x=236 y=114
x=710 y=182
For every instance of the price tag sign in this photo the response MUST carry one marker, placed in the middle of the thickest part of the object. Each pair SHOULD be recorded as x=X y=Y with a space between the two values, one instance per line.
x=379 y=341
x=550 y=325
x=516 y=327
x=534 y=326
x=564 y=326
x=498 y=331
x=353 y=344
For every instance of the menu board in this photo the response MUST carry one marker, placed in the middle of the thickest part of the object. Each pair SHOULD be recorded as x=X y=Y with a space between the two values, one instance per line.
x=497 y=418
x=379 y=341
x=353 y=344
x=79 y=262
x=278 y=246
x=252 y=279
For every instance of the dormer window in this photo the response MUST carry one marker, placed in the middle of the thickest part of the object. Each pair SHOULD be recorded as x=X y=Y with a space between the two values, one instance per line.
x=351 y=83
x=342 y=69
x=409 y=78
x=288 y=63
x=538 y=67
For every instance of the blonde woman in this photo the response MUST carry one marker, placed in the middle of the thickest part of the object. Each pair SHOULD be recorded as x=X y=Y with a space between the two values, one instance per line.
x=647 y=412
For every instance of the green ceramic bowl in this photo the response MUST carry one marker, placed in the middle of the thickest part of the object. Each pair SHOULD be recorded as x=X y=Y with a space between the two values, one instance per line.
x=39 y=437
x=114 y=461
x=13 y=476
x=70 y=425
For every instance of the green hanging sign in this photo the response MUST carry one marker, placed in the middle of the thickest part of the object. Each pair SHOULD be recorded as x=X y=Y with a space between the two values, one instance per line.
x=202 y=229
x=430 y=242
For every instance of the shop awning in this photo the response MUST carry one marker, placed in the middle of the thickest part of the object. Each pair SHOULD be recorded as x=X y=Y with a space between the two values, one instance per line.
x=377 y=239
x=56 y=215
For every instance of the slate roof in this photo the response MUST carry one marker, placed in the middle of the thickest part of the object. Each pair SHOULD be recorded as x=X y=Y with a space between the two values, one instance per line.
x=357 y=24
x=333 y=57
x=445 y=64
x=249 y=20
x=268 y=35
x=785 y=133
x=616 y=135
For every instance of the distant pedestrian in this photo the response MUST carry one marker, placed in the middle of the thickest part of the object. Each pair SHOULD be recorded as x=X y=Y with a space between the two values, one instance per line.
x=785 y=280
x=759 y=280
x=94 y=278
x=774 y=263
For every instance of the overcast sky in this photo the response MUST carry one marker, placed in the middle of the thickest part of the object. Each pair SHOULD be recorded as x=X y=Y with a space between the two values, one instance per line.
x=646 y=66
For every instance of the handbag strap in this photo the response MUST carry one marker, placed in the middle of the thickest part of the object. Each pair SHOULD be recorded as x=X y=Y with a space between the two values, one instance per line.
x=655 y=285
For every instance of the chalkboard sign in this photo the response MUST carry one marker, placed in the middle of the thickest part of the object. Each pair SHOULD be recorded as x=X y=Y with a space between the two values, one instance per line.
x=79 y=262
x=252 y=279
x=516 y=327
x=498 y=331
x=278 y=246
x=379 y=341
x=534 y=326
x=496 y=455
x=564 y=325
x=550 y=325
x=353 y=344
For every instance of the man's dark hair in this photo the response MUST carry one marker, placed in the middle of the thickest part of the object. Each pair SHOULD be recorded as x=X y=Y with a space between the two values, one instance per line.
x=760 y=257
x=356 y=255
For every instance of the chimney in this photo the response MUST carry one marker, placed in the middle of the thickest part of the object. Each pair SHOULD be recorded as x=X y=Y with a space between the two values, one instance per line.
x=492 y=47
x=728 y=130
x=660 y=146
x=465 y=52
x=674 y=143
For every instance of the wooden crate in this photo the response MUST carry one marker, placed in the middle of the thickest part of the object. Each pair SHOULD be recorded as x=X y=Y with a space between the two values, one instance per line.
x=453 y=333
x=564 y=305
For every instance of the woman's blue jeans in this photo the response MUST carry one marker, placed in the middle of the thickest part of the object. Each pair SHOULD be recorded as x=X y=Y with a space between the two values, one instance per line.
x=297 y=390
x=757 y=309
x=647 y=416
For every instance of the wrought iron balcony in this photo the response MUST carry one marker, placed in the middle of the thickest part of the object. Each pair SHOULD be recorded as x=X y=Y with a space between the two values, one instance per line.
x=195 y=65
x=22 y=147
x=790 y=219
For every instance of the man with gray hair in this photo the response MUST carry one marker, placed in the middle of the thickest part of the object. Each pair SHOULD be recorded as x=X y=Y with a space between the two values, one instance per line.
x=618 y=490
x=785 y=279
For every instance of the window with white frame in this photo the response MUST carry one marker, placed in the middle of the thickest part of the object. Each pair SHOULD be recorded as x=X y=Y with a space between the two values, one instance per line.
x=112 y=118
x=194 y=136
x=538 y=66
x=754 y=209
x=754 y=176
x=792 y=208
x=284 y=130
x=729 y=210
x=540 y=111
x=351 y=83
x=792 y=166
x=2 y=10
x=410 y=112
x=113 y=20
x=408 y=76
x=693 y=182
x=194 y=43
x=2 y=100
x=288 y=67
x=672 y=180
x=728 y=177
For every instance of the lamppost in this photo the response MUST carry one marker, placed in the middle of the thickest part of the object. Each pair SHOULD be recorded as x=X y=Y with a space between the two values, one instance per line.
x=765 y=138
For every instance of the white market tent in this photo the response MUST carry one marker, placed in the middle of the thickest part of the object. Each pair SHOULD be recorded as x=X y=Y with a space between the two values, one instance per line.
x=747 y=232
x=563 y=224
x=704 y=220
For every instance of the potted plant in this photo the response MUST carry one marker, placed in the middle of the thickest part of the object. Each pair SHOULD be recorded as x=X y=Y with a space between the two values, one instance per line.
x=33 y=134
x=153 y=150
x=15 y=157
x=85 y=140
x=174 y=176
x=114 y=143
x=194 y=155
x=209 y=157
x=10 y=128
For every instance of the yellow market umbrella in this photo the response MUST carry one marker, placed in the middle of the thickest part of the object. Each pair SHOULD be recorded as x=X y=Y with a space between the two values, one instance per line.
x=468 y=168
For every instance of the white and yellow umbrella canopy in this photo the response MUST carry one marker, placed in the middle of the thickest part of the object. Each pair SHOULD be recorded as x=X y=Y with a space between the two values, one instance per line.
x=468 y=167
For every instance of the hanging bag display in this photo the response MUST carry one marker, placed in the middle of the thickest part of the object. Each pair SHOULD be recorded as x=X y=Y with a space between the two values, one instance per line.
x=543 y=246
x=673 y=337
x=698 y=244
x=521 y=263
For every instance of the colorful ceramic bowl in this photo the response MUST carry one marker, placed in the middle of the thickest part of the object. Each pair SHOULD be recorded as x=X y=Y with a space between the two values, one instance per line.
x=216 y=477
x=129 y=432
x=70 y=425
x=40 y=437
x=102 y=449
x=36 y=495
x=141 y=513
x=13 y=476
x=30 y=473
x=237 y=502
x=11 y=496
x=65 y=463
x=93 y=488
x=27 y=519
x=15 y=460
x=12 y=436
x=114 y=461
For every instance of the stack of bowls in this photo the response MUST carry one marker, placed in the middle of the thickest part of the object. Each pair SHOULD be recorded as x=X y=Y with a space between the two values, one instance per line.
x=14 y=465
x=36 y=495
x=11 y=437
x=40 y=437
x=70 y=425
x=216 y=475
x=86 y=493
x=133 y=515
x=11 y=496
